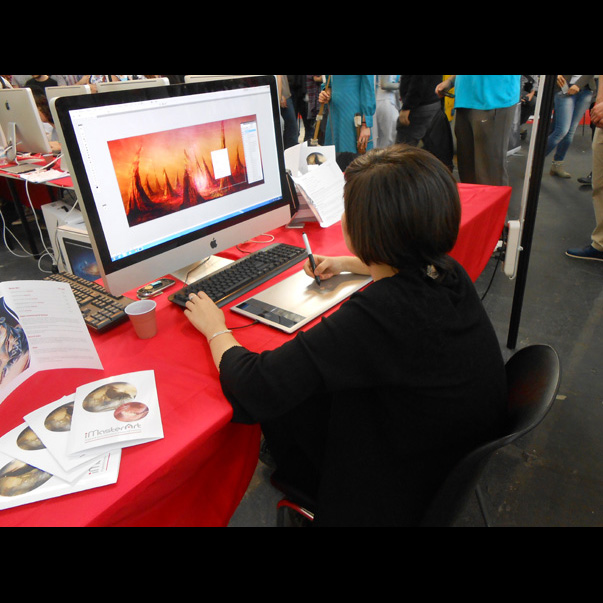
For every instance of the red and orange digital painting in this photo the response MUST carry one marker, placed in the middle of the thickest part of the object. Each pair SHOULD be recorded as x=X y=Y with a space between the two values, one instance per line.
x=166 y=172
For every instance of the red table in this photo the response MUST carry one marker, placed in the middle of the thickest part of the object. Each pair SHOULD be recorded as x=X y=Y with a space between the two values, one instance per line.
x=197 y=475
x=484 y=217
x=14 y=187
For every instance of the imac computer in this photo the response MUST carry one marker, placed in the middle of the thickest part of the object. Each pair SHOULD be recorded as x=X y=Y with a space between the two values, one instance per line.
x=76 y=90
x=21 y=123
x=103 y=87
x=170 y=176
x=52 y=93
x=193 y=79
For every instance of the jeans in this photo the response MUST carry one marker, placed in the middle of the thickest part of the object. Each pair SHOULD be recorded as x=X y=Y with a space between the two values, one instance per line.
x=291 y=129
x=569 y=111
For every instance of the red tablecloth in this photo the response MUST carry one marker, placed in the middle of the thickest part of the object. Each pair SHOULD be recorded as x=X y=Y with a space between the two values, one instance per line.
x=40 y=194
x=199 y=473
x=484 y=217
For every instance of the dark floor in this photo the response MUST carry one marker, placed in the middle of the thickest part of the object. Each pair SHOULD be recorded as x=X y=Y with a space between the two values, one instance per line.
x=555 y=476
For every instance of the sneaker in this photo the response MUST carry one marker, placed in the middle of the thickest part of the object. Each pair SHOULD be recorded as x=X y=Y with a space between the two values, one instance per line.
x=587 y=180
x=587 y=253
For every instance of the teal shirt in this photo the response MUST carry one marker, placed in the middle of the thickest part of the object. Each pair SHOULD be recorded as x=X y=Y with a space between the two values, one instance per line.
x=351 y=94
x=487 y=92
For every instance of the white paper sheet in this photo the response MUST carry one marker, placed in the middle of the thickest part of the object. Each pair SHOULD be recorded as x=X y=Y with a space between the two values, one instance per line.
x=320 y=181
x=41 y=329
x=324 y=190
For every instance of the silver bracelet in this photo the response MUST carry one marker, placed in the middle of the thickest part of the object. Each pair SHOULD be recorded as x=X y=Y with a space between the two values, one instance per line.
x=219 y=335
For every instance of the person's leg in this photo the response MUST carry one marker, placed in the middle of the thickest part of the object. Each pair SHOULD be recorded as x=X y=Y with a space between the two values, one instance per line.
x=594 y=251
x=598 y=189
x=291 y=133
x=492 y=135
x=581 y=103
x=564 y=110
x=465 y=145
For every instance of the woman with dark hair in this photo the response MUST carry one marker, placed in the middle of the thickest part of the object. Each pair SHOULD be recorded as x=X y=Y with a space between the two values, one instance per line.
x=370 y=410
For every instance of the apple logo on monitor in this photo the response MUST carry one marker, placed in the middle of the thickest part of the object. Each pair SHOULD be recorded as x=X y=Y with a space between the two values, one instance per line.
x=214 y=244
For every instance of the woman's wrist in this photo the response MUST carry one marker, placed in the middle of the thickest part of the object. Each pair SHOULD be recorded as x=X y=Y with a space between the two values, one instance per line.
x=219 y=334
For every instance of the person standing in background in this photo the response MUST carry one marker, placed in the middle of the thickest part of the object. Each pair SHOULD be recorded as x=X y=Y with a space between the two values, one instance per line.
x=290 y=129
x=594 y=251
x=486 y=106
x=349 y=96
x=420 y=104
x=388 y=105
x=313 y=88
x=572 y=100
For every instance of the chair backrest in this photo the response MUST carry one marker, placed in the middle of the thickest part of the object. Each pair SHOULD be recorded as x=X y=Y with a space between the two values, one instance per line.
x=534 y=378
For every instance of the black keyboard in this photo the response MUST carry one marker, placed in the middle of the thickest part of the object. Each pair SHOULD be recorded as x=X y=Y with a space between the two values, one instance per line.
x=101 y=310
x=237 y=279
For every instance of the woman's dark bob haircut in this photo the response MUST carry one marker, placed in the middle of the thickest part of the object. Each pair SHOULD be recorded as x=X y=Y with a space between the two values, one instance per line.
x=402 y=209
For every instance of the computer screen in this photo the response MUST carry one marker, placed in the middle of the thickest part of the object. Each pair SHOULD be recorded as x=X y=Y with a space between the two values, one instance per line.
x=76 y=253
x=169 y=176
x=21 y=123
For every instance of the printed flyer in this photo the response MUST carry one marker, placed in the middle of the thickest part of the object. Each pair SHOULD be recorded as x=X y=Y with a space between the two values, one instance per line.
x=52 y=424
x=23 y=444
x=119 y=412
x=41 y=329
x=23 y=484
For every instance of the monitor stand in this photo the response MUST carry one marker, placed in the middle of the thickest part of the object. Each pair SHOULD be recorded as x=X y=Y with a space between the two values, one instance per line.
x=11 y=141
x=24 y=166
x=195 y=272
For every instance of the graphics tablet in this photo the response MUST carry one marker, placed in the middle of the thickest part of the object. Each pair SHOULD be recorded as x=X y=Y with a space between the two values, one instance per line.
x=298 y=300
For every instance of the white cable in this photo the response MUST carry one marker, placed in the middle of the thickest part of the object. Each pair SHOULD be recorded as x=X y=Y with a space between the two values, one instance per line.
x=48 y=252
x=6 y=229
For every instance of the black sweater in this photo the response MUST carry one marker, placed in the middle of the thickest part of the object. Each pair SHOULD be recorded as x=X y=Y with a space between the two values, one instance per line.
x=419 y=90
x=401 y=383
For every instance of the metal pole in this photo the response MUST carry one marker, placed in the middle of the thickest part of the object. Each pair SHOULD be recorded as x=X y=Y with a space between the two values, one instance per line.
x=542 y=135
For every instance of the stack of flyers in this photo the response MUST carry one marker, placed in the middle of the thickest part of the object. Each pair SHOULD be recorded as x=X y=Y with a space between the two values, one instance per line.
x=23 y=484
x=30 y=473
x=75 y=444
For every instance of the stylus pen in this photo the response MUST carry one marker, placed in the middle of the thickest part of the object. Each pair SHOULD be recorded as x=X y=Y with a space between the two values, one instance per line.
x=312 y=260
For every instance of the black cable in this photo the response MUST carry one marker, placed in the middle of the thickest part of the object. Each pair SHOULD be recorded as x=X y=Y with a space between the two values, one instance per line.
x=498 y=262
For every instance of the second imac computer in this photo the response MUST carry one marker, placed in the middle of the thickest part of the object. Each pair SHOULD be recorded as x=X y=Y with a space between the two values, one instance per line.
x=20 y=120
x=169 y=176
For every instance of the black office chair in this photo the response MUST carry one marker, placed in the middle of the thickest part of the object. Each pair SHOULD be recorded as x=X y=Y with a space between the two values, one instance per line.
x=534 y=378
